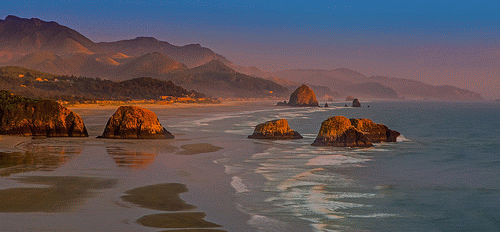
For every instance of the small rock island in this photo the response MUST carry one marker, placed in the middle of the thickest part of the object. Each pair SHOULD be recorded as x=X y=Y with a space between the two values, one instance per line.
x=302 y=96
x=339 y=131
x=132 y=122
x=356 y=103
x=276 y=129
x=31 y=117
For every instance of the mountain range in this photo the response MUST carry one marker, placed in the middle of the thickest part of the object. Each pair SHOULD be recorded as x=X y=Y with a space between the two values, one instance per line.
x=53 y=48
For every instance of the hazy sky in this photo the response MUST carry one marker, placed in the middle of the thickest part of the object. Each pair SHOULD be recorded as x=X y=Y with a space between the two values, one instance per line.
x=437 y=42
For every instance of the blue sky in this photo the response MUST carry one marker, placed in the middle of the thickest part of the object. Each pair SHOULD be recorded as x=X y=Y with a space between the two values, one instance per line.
x=438 y=42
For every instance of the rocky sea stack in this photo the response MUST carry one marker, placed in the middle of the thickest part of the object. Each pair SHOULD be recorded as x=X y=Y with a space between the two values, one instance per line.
x=375 y=132
x=276 y=129
x=340 y=131
x=356 y=103
x=303 y=96
x=132 y=122
x=30 y=117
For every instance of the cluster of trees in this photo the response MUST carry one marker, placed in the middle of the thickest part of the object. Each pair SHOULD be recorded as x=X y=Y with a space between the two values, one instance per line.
x=36 y=84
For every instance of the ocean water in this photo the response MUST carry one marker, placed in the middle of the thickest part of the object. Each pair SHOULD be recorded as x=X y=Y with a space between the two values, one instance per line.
x=441 y=175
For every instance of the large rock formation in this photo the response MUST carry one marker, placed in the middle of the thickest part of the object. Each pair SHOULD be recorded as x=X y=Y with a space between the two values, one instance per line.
x=303 y=96
x=355 y=103
x=375 y=132
x=30 y=117
x=338 y=132
x=276 y=129
x=132 y=122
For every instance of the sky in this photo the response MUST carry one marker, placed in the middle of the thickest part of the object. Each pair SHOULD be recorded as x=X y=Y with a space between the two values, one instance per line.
x=437 y=42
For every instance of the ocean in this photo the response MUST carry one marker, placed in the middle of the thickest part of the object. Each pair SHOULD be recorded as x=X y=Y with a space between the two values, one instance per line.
x=441 y=175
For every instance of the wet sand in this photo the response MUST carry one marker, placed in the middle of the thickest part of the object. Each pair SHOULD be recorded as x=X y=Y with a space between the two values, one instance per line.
x=166 y=197
x=196 y=230
x=159 y=197
x=121 y=185
x=61 y=195
x=198 y=148
x=176 y=220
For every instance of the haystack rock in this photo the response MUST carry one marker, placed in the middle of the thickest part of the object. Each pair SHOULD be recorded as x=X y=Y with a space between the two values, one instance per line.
x=303 y=96
x=276 y=129
x=30 y=117
x=356 y=103
x=132 y=122
x=338 y=132
x=375 y=132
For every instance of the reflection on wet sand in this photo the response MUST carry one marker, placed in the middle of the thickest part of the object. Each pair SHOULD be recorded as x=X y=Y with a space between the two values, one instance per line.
x=63 y=193
x=41 y=157
x=176 y=220
x=159 y=197
x=198 y=148
x=195 y=230
x=130 y=159
x=166 y=197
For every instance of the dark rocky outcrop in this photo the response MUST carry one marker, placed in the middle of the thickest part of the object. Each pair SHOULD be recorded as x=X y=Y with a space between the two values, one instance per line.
x=284 y=103
x=375 y=132
x=356 y=103
x=326 y=105
x=30 y=117
x=340 y=131
x=132 y=122
x=276 y=129
x=303 y=96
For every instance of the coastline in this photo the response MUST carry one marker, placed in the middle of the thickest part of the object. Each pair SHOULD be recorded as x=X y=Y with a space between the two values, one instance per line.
x=130 y=164
x=239 y=184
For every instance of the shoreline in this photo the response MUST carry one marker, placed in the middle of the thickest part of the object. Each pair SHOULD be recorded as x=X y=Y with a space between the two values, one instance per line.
x=159 y=105
x=187 y=159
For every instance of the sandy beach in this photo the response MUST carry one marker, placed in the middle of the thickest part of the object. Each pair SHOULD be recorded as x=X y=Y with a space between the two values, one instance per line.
x=123 y=185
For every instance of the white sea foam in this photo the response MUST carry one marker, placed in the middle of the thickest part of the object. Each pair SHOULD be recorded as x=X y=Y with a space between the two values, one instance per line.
x=266 y=224
x=375 y=215
x=340 y=195
x=294 y=183
x=220 y=161
x=261 y=155
x=231 y=170
x=239 y=132
x=238 y=185
x=331 y=160
x=402 y=138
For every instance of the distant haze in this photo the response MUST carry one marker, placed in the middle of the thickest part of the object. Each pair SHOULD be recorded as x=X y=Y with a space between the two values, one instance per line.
x=437 y=42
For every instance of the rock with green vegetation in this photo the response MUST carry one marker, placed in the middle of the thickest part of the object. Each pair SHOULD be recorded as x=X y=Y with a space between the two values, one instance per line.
x=303 y=96
x=375 y=132
x=276 y=129
x=132 y=122
x=338 y=132
x=31 y=117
